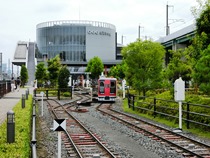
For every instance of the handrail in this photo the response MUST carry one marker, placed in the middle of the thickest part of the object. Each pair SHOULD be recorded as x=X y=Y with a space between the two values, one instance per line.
x=33 y=140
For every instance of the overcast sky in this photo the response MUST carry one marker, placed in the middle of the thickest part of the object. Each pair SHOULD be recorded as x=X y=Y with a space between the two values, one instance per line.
x=18 y=18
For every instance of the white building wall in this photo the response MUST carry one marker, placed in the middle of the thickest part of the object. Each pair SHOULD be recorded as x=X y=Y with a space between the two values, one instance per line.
x=100 y=42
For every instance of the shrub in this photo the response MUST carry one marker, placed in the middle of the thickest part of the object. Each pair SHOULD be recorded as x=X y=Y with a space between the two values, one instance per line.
x=21 y=146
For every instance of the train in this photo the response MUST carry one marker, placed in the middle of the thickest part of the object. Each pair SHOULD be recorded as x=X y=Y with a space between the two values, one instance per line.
x=107 y=89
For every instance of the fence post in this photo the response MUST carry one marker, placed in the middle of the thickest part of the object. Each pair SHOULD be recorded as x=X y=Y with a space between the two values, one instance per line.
x=71 y=91
x=47 y=93
x=4 y=88
x=133 y=102
x=34 y=92
x=58 y=94
x=129 y=101
x=154 y=107
x=188 y=115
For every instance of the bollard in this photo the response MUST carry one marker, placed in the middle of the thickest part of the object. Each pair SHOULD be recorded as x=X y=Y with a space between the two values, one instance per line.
x=10 y=126
x=23 y=100
x=26 y=95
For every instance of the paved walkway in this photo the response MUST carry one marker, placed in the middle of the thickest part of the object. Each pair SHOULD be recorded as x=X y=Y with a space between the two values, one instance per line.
x=10 y=100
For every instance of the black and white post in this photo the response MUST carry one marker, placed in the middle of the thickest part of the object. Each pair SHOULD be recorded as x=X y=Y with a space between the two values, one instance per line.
x=59 y=125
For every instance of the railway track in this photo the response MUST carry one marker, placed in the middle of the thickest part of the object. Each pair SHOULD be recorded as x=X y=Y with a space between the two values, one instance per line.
x=78 y=140
x=182 y=144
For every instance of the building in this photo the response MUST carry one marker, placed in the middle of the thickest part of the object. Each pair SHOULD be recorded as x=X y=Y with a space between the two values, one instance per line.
x=177 y=40
x=77 y=41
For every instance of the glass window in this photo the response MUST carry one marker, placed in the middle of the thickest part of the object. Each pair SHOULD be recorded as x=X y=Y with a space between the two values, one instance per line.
x=56 y=38
x=101 y=88
x=113 y=87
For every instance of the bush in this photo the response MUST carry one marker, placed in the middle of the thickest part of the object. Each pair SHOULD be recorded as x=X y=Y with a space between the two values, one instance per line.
x=66 y=94
x=21 y=146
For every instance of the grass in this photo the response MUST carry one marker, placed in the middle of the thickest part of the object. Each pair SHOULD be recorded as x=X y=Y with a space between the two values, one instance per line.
x=21 y=147
x=194 y=130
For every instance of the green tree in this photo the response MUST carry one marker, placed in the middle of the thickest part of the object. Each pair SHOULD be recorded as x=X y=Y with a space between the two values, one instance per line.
x=203 y=24
x=41 y=73
x=23 y=75
x=202 y=69
x=95 y=66
x=63 y=77
x=118 y=71
x=54 y=66
x=200 y=45
x=179 y=65
x=144 y=60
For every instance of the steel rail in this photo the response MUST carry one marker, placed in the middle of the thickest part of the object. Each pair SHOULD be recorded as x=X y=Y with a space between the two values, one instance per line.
x=131 y=124
x=96 y=139
x=69 y=137
x=88 y=131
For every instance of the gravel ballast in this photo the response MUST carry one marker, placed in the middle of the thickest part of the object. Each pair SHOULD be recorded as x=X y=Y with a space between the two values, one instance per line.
x=124 y=141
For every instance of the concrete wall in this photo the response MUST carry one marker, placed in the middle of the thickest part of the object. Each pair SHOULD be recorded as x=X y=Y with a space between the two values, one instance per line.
x=100 y=42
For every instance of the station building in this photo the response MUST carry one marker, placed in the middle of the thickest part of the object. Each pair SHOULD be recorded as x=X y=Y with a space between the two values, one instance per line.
x=77 y=41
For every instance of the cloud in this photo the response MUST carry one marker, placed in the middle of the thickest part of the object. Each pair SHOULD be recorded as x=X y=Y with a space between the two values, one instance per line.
x=18 y=19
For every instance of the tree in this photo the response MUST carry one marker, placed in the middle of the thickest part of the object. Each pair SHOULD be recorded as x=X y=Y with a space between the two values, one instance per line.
x=41 y=73
x=144 y=60
x=200 y=46
x=179 y=65
x=202 y=26
x=202 y=69
x=95 y=66
x=63 y=77
x=118 y=71
x=54 y=66
x=23 y=75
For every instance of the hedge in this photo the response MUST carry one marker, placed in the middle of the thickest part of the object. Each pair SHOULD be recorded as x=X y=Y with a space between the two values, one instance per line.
x=21 y=147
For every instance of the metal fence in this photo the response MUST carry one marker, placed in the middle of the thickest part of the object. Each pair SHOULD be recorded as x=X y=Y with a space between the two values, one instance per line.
x=191 y=113
x=5 y=87
x=52 y=93
x=33 y=133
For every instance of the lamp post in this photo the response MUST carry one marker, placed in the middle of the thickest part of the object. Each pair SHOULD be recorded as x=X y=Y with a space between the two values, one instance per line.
x=10 y=126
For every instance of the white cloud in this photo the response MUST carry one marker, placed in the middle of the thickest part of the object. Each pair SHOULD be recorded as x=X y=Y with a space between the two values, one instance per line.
x=18 y=19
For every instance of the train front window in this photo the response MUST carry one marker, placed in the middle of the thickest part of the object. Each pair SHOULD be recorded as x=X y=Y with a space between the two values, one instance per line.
x=113 y=87
x=101 y=87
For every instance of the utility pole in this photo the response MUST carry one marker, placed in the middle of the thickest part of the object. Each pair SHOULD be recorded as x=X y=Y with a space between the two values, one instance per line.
x=173 y=20
x=122 y=39
x=167 y=26
x=140 y=31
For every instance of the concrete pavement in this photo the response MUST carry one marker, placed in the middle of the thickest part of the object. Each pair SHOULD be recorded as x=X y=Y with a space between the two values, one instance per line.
x=10 y=100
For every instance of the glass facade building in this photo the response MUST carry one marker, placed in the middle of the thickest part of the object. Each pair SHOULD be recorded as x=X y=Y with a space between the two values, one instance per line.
x=76 y=41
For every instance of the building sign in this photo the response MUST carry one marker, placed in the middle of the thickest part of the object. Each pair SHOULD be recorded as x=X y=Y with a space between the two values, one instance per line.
x=102 y=33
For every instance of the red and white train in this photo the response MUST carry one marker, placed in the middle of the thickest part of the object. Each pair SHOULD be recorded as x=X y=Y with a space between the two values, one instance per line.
x=107 y=89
